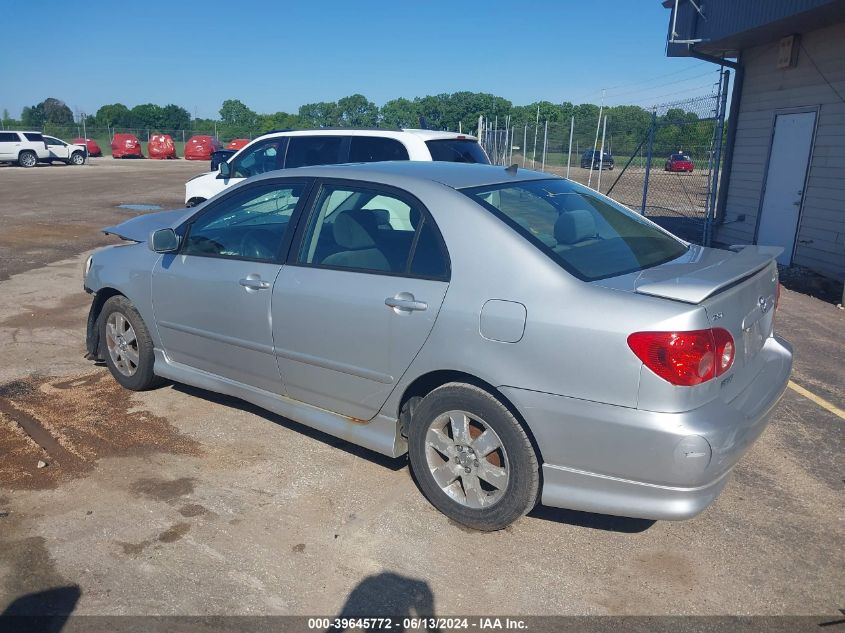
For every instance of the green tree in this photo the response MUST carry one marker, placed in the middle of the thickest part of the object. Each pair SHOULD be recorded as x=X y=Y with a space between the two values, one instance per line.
x=320 y=114
x=174 y=117
x=51 y=111
x=278 y=121
x=113 y=115
x=56 y=112
x=237 y=120
x=147 y=116
x=356 y=111
x=399 y=113
x=32 y=117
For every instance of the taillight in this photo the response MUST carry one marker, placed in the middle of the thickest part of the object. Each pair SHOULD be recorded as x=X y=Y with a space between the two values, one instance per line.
x=725 y=350
x=685 y=358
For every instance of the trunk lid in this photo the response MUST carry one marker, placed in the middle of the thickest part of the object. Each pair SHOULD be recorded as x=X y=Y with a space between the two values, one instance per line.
x=703 y=272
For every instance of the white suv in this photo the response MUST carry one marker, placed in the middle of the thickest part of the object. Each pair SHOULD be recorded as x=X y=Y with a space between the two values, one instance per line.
x=287 y=149
x=69 y=153
x=24 y=148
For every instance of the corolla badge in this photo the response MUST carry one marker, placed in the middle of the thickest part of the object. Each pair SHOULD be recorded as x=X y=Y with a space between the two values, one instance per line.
x=765 y=304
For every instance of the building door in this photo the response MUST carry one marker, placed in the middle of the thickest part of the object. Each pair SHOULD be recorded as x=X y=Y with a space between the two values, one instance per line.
x=784 y=192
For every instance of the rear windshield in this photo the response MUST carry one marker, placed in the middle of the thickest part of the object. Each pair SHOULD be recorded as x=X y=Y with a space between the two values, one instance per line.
x=453 y=150
x=590 y=236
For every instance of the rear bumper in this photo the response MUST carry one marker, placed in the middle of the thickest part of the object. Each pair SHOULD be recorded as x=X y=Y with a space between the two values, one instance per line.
x=645 y=464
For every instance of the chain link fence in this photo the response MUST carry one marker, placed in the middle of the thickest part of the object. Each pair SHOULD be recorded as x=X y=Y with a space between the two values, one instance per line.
x=639 y=169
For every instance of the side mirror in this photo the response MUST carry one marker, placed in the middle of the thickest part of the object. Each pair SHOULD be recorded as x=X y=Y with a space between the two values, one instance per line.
x=225 y=169
x=164 y=241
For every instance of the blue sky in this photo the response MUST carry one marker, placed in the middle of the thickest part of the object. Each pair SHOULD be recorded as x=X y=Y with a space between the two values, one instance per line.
x=278 y=55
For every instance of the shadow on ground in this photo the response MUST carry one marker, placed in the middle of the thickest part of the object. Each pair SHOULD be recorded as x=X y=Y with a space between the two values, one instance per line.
x=41 y=612
x=389 y=595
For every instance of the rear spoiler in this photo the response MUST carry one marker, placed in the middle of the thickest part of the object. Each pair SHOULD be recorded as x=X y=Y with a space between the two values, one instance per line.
x=696 y=286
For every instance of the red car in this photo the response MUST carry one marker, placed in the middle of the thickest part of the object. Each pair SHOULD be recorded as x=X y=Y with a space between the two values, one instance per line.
x=91 y=144
x=201 y=147
x=123 y=145
x=237 y=143
x=161 y=146
x=679 y=162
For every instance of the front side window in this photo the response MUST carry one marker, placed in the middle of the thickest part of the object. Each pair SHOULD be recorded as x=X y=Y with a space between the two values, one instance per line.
x=262 y=157
x=371 y=231
x=590 y=236
x=371 y=149
x=314 y=150
x=54 y=141
x=250 y=224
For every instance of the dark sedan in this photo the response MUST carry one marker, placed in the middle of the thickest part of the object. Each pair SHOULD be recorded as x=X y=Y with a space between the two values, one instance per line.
x=598 y=161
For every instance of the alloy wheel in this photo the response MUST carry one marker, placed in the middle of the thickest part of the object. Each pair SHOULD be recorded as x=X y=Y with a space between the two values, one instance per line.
x=467 y=459
x=122 y=344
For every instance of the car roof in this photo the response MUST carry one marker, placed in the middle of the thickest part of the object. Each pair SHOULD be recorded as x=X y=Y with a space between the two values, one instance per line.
x=454 y=175
x=425 y=135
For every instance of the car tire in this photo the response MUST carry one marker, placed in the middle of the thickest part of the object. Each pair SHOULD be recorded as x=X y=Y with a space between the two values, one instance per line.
x=454 y=466
x=127 y=345
x=27 y=159
x=76 y=159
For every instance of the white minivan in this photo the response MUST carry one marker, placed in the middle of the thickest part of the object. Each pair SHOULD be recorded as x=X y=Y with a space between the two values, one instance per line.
x=287 y=149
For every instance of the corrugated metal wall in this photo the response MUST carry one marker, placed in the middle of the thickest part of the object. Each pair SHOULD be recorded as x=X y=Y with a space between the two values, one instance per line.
x=821 y=233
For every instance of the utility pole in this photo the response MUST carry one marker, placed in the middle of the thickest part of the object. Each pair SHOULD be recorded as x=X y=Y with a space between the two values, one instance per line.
x=601 y=153
x=596 y=142
x=648 y=159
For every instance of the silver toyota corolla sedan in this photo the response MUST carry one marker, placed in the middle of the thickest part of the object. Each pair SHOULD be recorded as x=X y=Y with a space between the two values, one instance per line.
x=521 y=337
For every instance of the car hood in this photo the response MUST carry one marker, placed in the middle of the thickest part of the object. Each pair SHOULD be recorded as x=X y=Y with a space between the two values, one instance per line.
x=696 y=275
x=138 y=229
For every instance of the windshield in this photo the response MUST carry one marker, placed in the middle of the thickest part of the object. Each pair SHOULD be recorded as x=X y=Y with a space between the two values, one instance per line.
x=453 y=150
x=589 y=235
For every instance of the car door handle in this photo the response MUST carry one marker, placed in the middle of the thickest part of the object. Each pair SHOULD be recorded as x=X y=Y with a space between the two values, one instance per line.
x=254 y=283
x=405 y=302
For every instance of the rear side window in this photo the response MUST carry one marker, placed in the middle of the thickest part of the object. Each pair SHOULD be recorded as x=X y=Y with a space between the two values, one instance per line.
x=366 y=230
x=9 y=137
x=457 y=151
x=314 y=150
x=372 y=149
x=588 y=235
x=34 y=137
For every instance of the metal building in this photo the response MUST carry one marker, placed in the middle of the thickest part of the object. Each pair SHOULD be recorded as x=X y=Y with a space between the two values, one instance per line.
x=783 y=173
